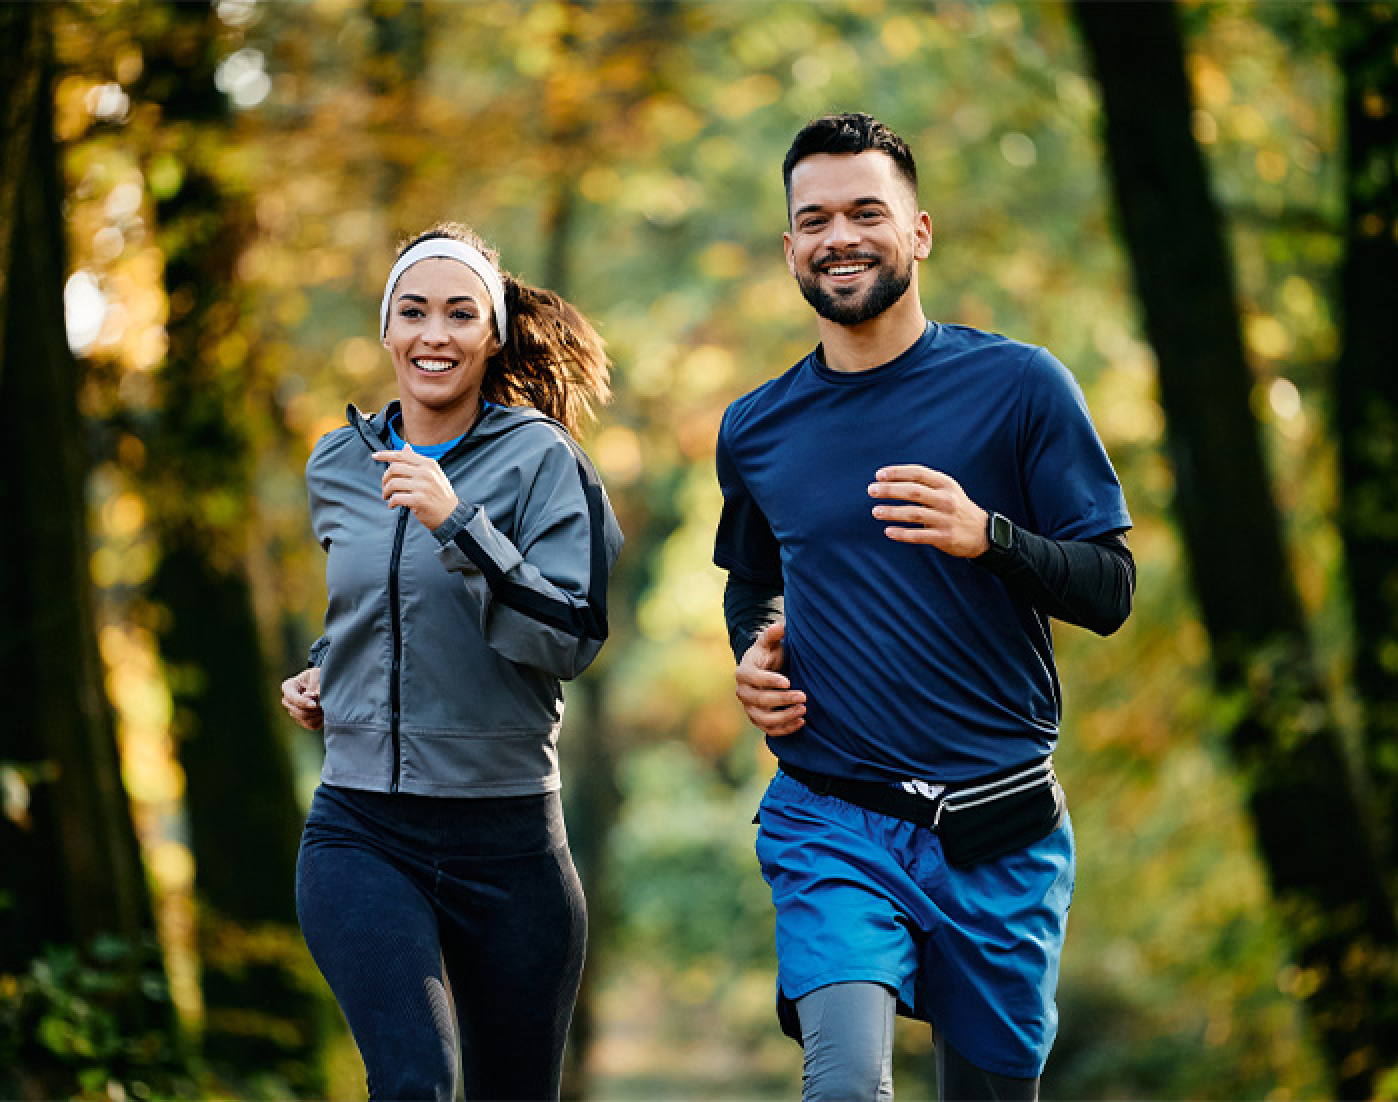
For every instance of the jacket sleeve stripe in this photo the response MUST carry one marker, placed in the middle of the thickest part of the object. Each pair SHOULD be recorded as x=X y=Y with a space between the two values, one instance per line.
x=588 y=622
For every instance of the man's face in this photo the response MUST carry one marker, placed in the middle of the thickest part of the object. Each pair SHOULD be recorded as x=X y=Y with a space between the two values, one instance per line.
x=855 y=234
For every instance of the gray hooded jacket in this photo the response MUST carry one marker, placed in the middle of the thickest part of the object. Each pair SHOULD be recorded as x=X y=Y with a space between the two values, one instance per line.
x=444 y=650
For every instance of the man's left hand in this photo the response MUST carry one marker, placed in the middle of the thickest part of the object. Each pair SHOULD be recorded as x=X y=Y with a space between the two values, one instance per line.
x=929 y=507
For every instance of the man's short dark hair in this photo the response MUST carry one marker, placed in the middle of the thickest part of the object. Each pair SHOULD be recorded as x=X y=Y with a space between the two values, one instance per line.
x=854 y=132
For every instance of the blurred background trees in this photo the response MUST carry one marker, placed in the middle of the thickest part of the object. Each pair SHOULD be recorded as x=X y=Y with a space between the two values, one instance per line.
x=1321 y=854
x=208 y=197
x=78 y=952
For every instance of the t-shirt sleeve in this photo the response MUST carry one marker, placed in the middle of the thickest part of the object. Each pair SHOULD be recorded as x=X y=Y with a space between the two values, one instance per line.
x=1070 y=487
x=745 y=545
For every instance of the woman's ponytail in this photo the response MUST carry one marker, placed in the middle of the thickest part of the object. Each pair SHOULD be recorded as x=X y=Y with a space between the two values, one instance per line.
x=551 y=359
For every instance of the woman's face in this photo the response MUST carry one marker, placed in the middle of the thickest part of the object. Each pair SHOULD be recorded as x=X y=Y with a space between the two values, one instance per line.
x=440 y=334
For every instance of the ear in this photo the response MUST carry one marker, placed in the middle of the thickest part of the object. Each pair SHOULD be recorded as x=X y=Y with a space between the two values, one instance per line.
x=790 y=253
x=922 y=235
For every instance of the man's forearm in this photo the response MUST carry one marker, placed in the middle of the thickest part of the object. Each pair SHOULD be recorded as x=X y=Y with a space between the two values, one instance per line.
x=1085 y=582
x=748 y=607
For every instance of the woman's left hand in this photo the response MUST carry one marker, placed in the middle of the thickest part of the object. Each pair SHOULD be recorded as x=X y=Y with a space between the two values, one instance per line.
x=417 y=482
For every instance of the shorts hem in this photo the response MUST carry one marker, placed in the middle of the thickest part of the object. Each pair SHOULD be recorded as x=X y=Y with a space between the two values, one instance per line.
x=826 y=979
x=995 y=1067
x=1010 y=1070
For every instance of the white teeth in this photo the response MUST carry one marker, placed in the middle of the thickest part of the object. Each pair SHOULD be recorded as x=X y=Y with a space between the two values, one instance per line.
x=435 y=365
x=847 y=269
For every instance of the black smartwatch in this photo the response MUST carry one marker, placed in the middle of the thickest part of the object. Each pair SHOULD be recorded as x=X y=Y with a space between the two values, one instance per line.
x=1000 y=531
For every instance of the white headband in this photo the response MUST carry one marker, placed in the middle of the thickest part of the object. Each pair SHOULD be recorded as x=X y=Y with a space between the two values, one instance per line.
x=452 y=249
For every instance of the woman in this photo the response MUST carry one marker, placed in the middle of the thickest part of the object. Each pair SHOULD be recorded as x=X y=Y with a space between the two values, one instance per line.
x=469 y=544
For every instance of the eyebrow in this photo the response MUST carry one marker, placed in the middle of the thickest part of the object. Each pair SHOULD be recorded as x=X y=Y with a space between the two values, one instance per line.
x=414 y=297
x=863 y=201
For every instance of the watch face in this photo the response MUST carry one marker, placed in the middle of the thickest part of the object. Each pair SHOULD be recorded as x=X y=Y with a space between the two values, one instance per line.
x=1001 y=531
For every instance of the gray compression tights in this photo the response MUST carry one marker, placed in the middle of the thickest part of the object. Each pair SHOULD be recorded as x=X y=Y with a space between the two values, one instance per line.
x=847 y=1034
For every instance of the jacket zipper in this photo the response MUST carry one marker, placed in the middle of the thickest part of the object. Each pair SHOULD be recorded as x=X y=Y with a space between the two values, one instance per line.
x=396 y=671
x=369 y=435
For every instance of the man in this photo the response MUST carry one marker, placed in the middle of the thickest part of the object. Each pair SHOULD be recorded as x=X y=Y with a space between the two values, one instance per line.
x=903 y=511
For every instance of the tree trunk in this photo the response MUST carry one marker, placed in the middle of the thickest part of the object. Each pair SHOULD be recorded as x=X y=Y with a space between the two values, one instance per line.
x=1309 y=829
x=590 y=748
x=1366 y=383
x=70 y=866
x=20 y=59
x=591 y=800
x=244 y=819
x=588 y=756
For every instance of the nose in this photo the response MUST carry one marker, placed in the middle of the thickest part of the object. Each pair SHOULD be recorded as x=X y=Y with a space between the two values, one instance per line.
x=436 y=331
x=841 y=232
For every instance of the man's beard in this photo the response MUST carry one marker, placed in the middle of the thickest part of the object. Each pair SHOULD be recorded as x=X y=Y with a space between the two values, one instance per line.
x=888 y=288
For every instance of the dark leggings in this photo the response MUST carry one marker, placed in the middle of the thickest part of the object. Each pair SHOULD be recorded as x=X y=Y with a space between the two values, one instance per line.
x=391 y=888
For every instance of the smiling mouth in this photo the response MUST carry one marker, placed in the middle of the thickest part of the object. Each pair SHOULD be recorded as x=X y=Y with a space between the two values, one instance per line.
x=845 y=268
x=433 y=366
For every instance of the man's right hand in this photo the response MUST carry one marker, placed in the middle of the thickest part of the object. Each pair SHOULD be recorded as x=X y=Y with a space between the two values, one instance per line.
x=764 y=691
x=301 y=699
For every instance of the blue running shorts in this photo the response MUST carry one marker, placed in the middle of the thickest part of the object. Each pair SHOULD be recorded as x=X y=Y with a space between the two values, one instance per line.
x=865 y=896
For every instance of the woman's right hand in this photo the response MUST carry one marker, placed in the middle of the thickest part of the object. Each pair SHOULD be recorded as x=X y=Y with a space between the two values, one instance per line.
x=301 y=699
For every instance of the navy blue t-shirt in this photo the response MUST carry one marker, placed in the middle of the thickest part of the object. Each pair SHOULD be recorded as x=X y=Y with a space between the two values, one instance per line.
x=915 y=663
